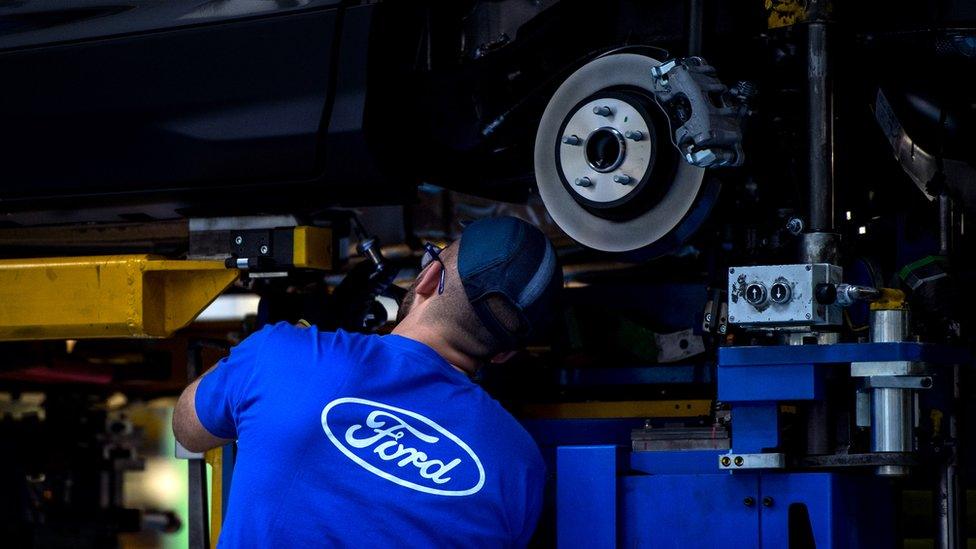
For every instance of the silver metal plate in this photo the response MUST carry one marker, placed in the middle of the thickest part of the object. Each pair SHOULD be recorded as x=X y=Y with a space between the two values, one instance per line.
x=678 y=345
x=736 y=462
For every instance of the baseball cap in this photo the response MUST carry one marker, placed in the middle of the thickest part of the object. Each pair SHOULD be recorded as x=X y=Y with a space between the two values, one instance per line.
x=508 y=258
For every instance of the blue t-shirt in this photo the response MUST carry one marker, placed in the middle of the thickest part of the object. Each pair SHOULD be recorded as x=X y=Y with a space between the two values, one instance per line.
x=366 y=441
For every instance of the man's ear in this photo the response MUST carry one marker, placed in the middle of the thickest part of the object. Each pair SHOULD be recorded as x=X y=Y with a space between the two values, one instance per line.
x=429 y=280
x=503 y=357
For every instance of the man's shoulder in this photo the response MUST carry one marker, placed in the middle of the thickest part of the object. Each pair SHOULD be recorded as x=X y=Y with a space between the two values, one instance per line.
x=517 y=443
x=285 y=332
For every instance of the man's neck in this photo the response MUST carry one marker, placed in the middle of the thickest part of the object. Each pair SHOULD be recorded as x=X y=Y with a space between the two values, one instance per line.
x=460 y=361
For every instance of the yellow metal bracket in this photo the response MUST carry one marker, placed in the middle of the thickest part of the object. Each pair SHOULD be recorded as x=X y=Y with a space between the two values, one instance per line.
x=890 y=299
x=105 y=296
x=215 y=457
x=312 y=248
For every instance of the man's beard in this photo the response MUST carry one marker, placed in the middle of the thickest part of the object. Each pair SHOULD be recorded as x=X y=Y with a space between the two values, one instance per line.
x=407 y=302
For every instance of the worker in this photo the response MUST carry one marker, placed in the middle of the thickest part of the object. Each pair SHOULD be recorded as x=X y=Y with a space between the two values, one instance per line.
x=378 y=441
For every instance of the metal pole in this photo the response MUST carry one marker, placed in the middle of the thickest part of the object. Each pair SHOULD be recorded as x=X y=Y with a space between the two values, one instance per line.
x=948 y=523
x=891 y=425
x=695 y=26
x=197 y=519
x=945 y=223
x=892 y=410
x=820 y=102
x=950 y=498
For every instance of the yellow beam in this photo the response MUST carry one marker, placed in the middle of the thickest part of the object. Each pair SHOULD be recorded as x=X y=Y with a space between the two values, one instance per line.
x=215 y=457
x=619 y=409
x=105 y=296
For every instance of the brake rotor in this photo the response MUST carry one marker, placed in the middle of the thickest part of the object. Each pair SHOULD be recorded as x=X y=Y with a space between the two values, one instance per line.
x=605 y=167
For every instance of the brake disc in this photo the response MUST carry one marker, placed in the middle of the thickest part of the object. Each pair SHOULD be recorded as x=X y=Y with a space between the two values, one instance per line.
x=605 y=165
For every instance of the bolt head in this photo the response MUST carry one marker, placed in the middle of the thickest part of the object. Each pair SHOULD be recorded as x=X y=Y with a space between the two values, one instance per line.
x=738 y=461
x=767 y=501
x=795 y=225
x=571 y=140
x=748 y=501
x=623 y=179
x=722 y=329
x=708 y=317
x=602 y=110
x=264 y=249
x=583 y=182
x=239 y=240
x=635 y=135
x=726 y=461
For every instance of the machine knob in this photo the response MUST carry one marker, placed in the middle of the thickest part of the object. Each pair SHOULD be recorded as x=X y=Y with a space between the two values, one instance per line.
x=780 y=293
x=756 y=294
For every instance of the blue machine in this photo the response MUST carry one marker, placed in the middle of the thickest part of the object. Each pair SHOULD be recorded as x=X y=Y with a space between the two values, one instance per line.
x=610 y=497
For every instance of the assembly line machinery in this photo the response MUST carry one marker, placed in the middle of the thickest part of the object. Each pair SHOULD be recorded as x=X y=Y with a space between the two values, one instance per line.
x=817 y=420
x=765 y=340
x=780 y=472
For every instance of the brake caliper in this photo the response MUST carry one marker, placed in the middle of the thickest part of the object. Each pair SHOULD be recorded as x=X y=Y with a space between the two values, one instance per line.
x=705 y=116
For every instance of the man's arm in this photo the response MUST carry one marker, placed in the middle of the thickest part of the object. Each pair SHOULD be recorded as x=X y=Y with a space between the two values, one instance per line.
x=186 y=424
x=209 y=410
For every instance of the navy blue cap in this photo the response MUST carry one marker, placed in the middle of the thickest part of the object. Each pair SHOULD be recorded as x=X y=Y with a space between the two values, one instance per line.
x=512 y=259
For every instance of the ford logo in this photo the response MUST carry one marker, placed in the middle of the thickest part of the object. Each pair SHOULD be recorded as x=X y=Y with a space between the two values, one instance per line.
x=403 y=447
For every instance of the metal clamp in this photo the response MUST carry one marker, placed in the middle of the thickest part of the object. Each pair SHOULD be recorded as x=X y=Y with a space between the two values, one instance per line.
x=732 y=462
x=889 y=368
x=898 y=382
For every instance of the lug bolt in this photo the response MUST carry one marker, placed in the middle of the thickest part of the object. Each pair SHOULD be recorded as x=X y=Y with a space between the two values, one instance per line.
x=708 y=317
x=722 y=329
x=748 y=501
x=726 y=461
x=622 y=179
x=264 y=249
x=571 y=140
x=636 y=135
x=767 y=501
x=583 y=182
x=239 y=240
x=602 y=111
x=739 y=461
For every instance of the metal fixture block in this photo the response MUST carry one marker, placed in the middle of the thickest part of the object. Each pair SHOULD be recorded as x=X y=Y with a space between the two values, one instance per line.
x=782 y=295
x=732 y=462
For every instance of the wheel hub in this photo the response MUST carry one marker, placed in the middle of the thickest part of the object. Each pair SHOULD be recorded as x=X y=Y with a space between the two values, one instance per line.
x=600 y=152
